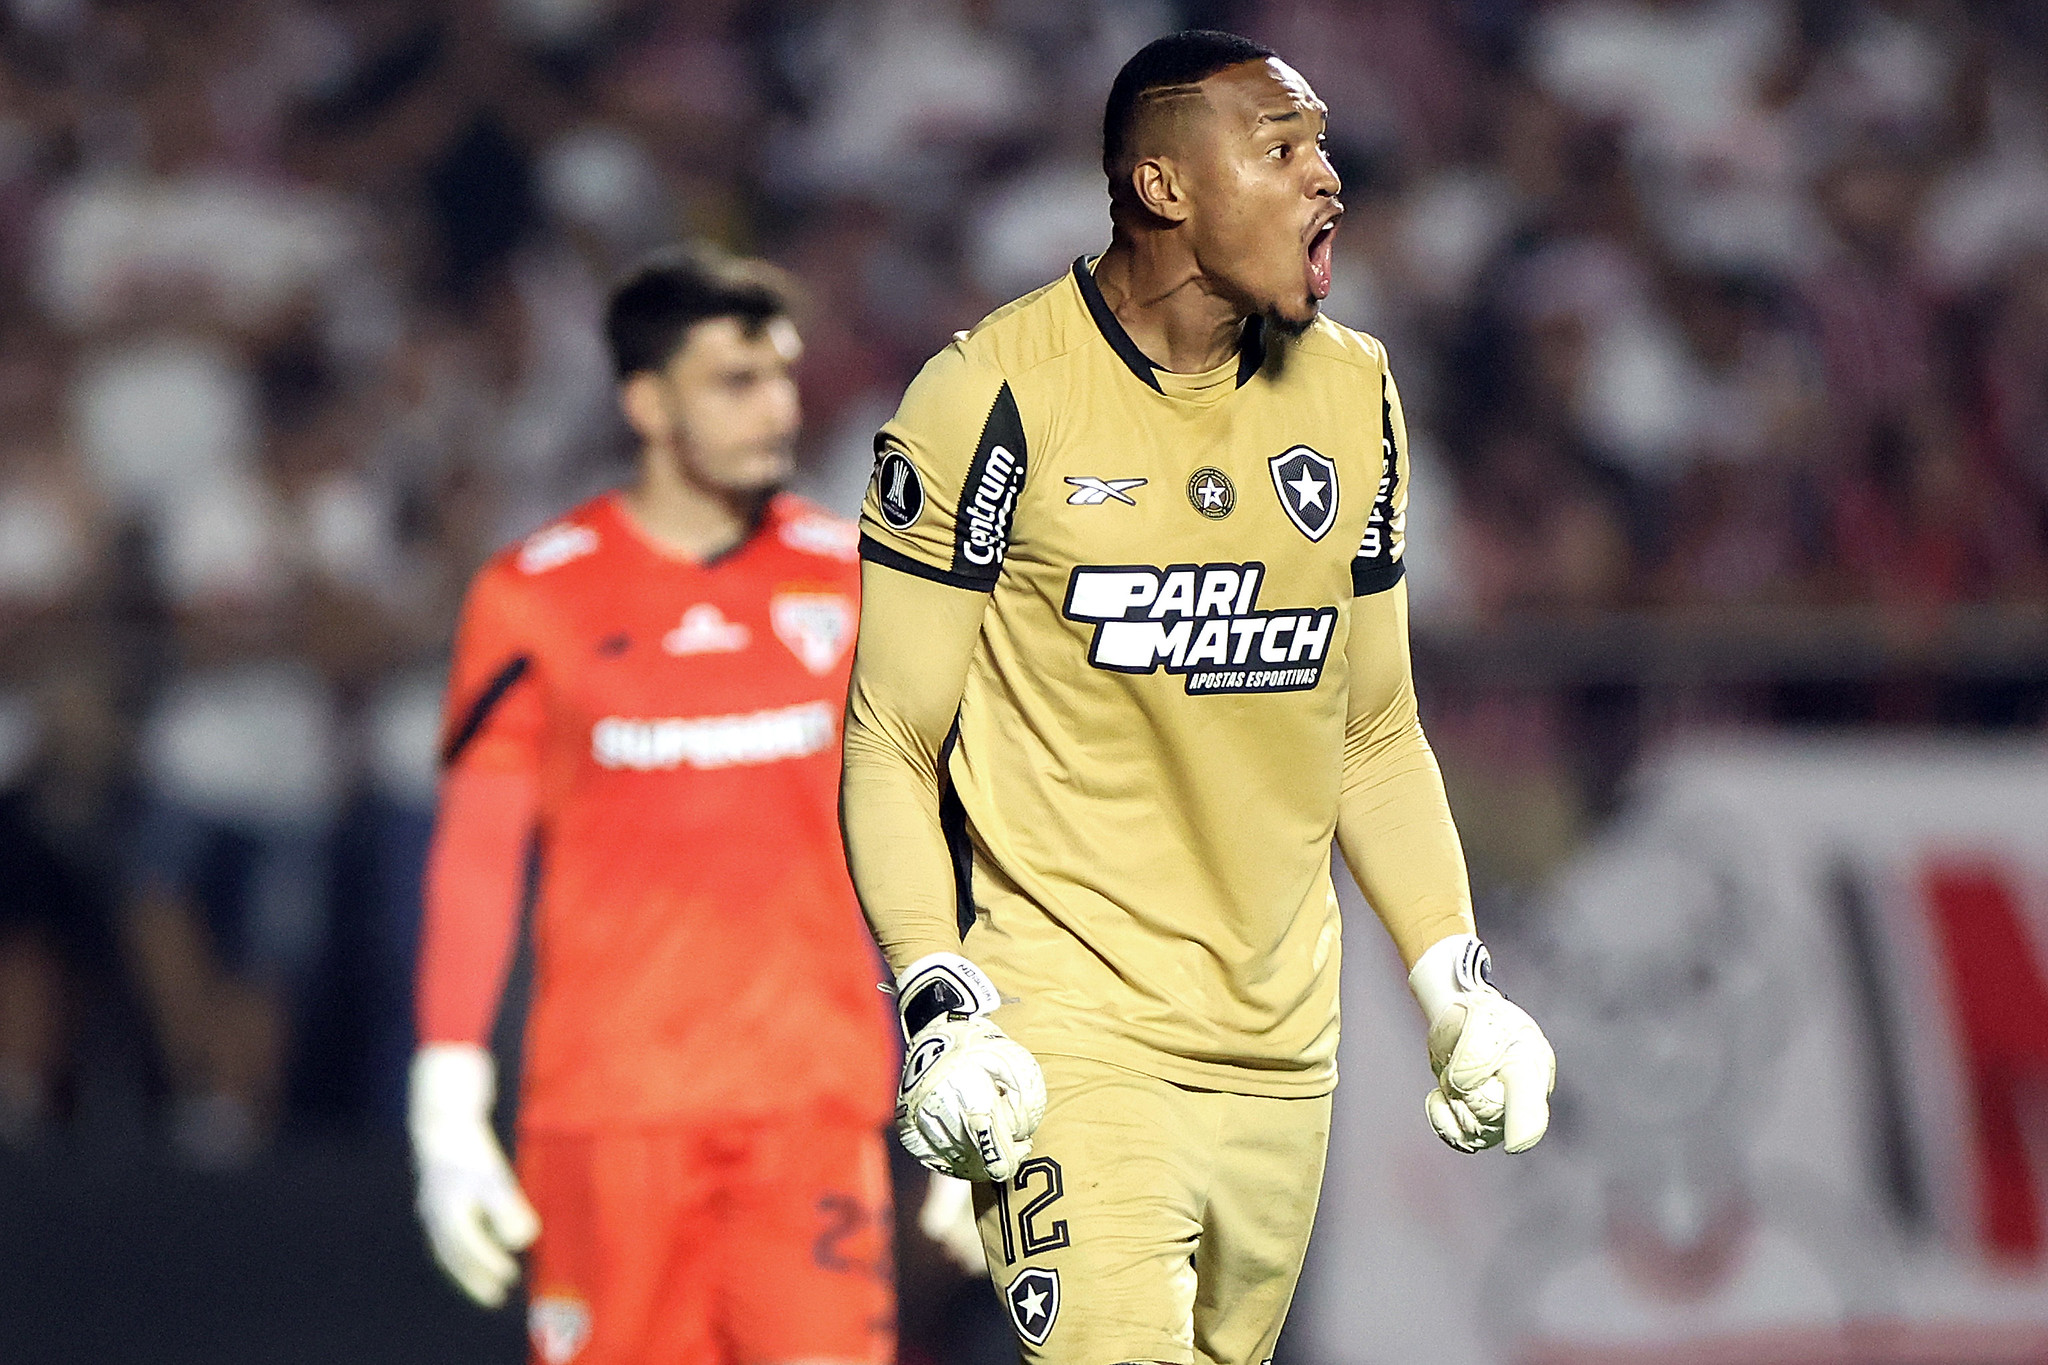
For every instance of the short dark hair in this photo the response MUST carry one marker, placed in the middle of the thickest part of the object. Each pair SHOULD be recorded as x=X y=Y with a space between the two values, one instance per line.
x=652 y=310
x=1182 y=58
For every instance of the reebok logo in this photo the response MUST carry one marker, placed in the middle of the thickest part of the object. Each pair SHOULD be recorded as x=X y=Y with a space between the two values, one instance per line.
x=1093 y=492
x=920 y=1061
x=1201 y=622
x=826 y=536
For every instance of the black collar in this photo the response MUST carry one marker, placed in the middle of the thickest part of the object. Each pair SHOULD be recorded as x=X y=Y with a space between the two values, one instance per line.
x=1251 y=346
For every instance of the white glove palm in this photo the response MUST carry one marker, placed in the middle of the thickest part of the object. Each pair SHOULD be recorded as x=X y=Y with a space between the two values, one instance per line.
x=1494 y=1067
x=475 y=1216
x=971 y=1096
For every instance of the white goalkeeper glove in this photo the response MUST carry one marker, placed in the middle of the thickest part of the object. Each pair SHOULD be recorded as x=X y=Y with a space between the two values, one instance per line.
x=473 y=1210
x=971 y=1096
x=947 y=1218
x=1494 y=1068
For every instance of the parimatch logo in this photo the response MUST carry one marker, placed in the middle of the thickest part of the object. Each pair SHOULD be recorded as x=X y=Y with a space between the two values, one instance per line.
x=1200 y=621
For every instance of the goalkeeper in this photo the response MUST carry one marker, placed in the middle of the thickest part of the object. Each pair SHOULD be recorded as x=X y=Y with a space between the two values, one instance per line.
x=651 y=688
x=1135 y=648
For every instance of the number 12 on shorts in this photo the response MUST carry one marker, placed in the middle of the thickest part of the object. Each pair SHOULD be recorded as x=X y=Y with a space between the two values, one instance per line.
x=1038 y=1186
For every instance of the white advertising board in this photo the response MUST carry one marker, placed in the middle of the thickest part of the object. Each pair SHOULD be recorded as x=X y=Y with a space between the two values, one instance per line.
x=1799 y=997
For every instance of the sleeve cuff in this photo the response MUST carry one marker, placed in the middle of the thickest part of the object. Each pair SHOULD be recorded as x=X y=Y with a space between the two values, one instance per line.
x=1369 y=578
x=875 y=552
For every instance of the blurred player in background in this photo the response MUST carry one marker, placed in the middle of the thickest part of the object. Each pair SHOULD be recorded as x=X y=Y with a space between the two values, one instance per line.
x=1135 y=649
x=652 y=688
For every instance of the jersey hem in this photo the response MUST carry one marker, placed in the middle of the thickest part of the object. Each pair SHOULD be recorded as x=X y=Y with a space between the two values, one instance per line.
x=875 y=552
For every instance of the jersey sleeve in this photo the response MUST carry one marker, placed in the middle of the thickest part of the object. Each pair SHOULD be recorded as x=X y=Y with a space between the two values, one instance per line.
x=948 y=470
x=493 y=717
x=916 y=640
x=1377 y=565
x=483 y=821
x=1393 y=818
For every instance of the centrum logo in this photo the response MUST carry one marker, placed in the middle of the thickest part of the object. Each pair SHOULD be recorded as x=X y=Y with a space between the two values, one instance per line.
x=1200 y=621
x=985 y=519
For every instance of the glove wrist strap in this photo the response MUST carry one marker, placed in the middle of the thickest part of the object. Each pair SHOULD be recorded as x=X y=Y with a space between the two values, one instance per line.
x=450 y=1083
x=940 y=984
x=1454 y=966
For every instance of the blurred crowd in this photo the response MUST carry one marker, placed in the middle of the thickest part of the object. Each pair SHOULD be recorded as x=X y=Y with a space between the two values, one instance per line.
x=1697 y=305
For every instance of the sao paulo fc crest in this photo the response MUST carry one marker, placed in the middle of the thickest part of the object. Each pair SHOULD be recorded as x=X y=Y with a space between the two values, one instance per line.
x=1307 y=485
x=558 y=1327
x=817 y=627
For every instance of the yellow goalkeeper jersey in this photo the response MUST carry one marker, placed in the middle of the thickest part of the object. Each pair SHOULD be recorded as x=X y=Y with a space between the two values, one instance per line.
x=1145 y=769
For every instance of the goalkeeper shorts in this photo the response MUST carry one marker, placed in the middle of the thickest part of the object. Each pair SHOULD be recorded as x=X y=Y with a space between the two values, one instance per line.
x=1150 y=1217
x=731 y=1246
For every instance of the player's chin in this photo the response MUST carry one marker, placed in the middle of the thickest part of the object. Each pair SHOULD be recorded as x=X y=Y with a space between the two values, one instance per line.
x=762 y=473
x=1292 y=317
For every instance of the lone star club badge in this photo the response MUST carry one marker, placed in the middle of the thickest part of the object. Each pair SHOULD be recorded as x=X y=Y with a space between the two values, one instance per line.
x=1034 y=1299
x=1212 y=493
x=1307 y=485
x=817 y=627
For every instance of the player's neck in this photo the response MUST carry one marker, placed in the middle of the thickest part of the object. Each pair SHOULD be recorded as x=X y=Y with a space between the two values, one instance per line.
x=688 y=518
x=1165 y=304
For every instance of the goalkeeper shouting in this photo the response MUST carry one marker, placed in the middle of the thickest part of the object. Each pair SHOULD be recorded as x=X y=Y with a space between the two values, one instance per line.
x=1135 y=648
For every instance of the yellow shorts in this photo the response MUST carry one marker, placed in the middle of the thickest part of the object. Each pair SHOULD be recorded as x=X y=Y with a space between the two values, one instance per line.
x=1153 y=1222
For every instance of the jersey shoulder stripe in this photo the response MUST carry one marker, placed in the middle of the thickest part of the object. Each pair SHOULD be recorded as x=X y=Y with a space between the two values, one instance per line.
x=952 y=463
x=478 y=713
x=988 y=496
x=1378 y=564
x=983 y=505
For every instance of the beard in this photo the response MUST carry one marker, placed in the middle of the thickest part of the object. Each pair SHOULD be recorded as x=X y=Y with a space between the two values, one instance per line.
x=1291 y=329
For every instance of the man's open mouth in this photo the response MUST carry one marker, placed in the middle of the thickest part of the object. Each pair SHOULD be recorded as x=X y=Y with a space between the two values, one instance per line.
x=1319 y=259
